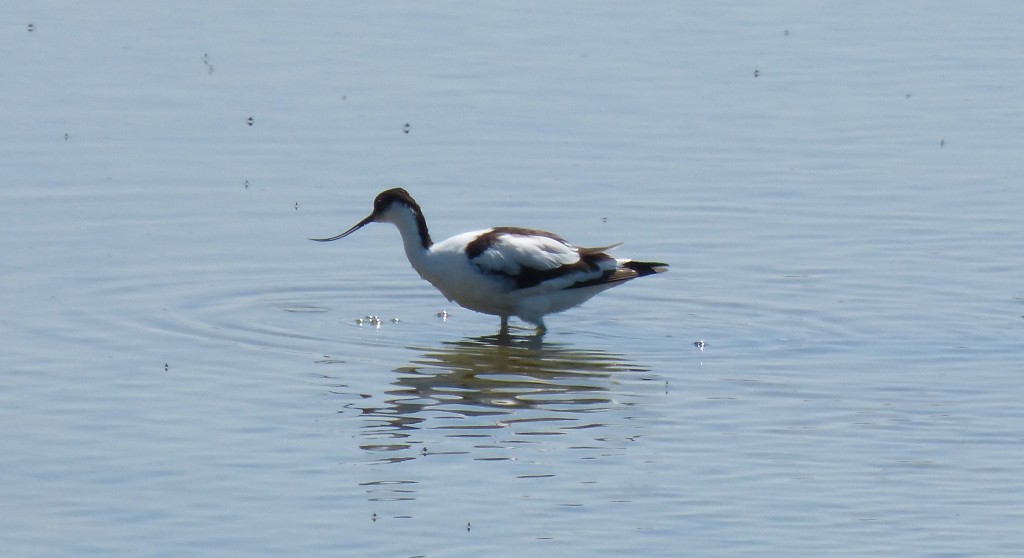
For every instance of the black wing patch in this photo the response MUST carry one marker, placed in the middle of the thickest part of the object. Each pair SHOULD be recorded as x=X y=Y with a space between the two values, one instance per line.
x=481 y=243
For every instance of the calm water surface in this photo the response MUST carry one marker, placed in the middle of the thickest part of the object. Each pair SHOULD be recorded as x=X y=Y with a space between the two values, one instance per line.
x=838 y=190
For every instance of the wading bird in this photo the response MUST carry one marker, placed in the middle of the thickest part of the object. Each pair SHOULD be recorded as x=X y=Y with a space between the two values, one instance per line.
x=503 y=271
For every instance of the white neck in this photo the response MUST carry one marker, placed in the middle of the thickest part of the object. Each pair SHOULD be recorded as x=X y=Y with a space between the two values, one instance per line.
x=409 y=228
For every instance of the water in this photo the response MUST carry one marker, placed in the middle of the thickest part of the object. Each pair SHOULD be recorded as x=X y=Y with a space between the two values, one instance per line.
x=837 y=189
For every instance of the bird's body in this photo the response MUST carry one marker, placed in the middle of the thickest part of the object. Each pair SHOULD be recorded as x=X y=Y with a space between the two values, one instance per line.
x=503 y=271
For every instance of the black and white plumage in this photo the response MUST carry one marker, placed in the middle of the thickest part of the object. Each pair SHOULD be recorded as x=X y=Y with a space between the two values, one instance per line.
x=503 y=271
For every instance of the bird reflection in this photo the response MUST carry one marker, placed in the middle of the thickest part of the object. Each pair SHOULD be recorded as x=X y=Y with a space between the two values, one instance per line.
x=477 y=387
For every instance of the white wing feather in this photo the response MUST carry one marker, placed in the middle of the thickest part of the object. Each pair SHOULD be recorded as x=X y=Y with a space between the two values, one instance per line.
x=508 y=254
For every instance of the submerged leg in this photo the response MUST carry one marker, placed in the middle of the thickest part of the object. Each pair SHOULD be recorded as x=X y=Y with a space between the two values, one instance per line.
x=541 y=328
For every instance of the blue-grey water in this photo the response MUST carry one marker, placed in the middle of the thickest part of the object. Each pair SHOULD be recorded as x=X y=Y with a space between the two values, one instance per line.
x=838 y=189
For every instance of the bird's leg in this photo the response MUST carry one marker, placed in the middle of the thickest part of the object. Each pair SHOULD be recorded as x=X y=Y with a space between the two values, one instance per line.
x=504 y=326
x=541 y=329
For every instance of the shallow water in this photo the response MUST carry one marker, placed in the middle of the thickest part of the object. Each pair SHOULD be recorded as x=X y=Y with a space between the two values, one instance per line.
x=832 y=366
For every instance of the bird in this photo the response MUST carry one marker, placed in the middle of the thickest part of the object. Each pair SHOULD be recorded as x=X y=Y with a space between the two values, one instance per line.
x=503 y=271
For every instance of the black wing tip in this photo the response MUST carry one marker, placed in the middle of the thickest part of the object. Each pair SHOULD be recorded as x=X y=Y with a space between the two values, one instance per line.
x=646 y=268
